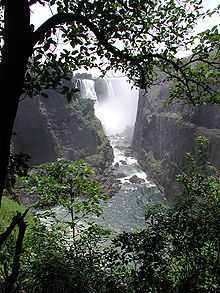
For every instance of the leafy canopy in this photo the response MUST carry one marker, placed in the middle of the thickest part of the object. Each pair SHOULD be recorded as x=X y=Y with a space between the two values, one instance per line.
x=177 y=251
x=139 y=38
x=70 y=184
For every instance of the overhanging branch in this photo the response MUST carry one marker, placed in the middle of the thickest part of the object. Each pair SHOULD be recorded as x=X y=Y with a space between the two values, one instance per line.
x=137 y=60
x=68 y=18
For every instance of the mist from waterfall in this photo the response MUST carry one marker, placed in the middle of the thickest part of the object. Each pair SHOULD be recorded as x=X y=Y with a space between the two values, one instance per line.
x=116 y=107
x=116 y=104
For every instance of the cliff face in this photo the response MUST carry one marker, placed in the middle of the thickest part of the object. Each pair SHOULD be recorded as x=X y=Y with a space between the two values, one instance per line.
x=49 y=128
x=163 y=135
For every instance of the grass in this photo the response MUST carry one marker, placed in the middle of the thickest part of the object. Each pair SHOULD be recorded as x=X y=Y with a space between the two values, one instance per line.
x=8 y=210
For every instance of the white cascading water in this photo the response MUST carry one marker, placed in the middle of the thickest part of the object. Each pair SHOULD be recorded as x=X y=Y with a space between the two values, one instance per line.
x=87 y=89
x=116 y=110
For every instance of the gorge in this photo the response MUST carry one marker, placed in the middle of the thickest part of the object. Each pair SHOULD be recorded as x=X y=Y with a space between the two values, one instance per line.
x=71 y=130
x=116 y=106
x=165 y=133
x=105 y=187
x=124 y=145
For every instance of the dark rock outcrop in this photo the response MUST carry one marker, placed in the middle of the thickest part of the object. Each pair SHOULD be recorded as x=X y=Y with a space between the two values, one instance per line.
x=49 y=128
x=135 y=179
x=164 y=134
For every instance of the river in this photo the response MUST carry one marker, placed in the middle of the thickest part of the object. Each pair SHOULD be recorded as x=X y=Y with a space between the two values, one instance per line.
x=125 y=211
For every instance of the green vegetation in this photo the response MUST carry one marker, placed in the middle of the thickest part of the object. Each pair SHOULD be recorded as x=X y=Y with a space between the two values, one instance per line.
x=71 y=185
x=177 y=251
x=152 y=164
x=95 y=144
x=9 y=208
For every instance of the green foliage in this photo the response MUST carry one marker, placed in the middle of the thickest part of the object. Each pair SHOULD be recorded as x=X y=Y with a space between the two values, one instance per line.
x=71 y=185
x=57 y=182
x=56 y=265
x=177 y=251
x=139 y=38
x=9 y=208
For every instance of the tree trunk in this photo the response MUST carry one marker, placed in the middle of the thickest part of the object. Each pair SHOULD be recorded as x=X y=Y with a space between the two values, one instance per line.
x=15 y=53
x=11 y=280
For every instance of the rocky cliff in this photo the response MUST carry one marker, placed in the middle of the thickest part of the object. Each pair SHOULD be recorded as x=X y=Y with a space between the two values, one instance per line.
x=49 y=128
x=164 y=134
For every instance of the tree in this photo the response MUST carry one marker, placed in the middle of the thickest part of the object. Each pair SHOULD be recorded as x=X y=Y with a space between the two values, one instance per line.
x=178 y=250
x=71 y=185
x=133 y=36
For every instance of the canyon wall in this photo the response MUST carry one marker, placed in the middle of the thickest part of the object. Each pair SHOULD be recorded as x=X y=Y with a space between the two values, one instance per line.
x=164 y=134
x=50 y=128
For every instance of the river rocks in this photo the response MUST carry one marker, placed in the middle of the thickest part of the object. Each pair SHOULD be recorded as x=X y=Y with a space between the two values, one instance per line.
x=120 y=175
x=110 y=181
x=137 y=180
x=116 y=165
x=103 y=159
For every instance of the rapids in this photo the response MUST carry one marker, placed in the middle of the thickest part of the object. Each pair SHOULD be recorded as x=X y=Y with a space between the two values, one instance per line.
x=125 y=211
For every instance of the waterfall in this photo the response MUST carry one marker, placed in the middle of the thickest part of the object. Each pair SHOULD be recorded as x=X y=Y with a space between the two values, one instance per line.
x=87 y=89
x=116 y=107
x=118 y=112
x=116 y=102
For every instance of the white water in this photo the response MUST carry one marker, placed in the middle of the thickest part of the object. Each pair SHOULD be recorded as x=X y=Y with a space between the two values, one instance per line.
x=87 y=89
x=128 y=165
x=125 y=211
x=117 y=109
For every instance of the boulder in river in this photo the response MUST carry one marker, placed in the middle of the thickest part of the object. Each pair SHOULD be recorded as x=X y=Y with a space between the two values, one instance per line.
x=116 y=165
x=137 y=180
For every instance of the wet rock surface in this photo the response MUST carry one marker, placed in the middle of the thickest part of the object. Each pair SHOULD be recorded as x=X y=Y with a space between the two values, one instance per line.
x=51 y=128
x=136 y=179
x=110 y=181
x=164 y=134
x=116 y=165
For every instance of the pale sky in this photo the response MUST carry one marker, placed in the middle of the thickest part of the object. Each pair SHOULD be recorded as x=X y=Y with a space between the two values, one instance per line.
x=41 y=13
x=211 y=21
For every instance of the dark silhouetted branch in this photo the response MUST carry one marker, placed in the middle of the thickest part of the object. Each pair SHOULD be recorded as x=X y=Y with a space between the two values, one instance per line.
x=18 y=220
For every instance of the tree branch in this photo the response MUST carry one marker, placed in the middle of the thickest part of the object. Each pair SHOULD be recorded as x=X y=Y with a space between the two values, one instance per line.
x=15 y=221
x=68 y=18
x=10 y=282
x=135 y=60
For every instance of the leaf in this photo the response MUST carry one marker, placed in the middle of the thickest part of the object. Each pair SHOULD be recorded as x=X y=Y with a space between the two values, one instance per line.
x=43 y=94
